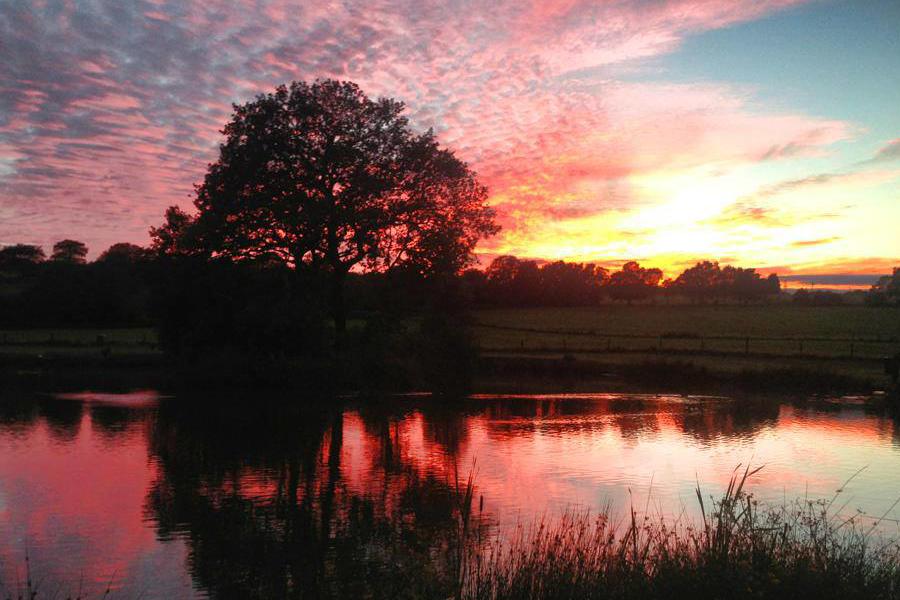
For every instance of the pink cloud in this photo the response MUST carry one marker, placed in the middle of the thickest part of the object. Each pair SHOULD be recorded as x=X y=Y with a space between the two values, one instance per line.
x=117 y=106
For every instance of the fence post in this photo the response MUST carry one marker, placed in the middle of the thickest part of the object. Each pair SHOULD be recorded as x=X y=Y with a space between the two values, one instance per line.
x=702 y=344
x=852 y=349
x=608 y=344
x=659 y=343
x=747 y=346
x=801 y=346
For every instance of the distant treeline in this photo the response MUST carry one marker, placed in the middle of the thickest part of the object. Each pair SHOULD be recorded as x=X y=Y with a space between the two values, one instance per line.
x=510 y=281
x=129 y=285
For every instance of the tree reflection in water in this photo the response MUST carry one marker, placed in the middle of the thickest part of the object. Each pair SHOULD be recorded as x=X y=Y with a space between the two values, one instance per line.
x=274 y=504
x=264 y=502
x=271 y=500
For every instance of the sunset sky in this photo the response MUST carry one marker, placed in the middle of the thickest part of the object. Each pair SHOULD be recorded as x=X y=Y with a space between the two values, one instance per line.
x=763 y=133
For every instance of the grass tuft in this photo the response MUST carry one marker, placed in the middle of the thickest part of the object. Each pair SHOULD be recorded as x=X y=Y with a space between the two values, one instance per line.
x=738 y=549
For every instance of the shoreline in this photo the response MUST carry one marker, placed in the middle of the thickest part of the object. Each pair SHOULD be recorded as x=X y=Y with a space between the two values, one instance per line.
x=495 y=373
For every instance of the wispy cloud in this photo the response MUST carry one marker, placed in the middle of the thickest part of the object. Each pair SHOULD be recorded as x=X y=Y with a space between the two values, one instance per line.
x=111 y=109
x=887 y=153
x=818 y=242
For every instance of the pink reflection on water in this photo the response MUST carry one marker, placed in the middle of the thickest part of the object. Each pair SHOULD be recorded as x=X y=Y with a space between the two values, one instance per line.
x=547 y=458
x=76 y=504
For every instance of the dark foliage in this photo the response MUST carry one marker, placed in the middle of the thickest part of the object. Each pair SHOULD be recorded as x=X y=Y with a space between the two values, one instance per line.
x=216 y=307
x=707 y=281
x=20 y=260
x=112 y=291
x=322 y=177
x=886 y=291
x=817 y=298
x=69 y=251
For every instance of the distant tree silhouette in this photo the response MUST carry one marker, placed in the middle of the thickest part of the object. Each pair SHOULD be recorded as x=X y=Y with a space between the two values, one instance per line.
x=20 y=259
x=568 y=284
x=320 y=177
x=633 y=282
x=817 y=298
x=513 y=281
x=747 y=285
x=173 y=237
x=70 y=252
x=124 y=254
x=886 y=290
x=699 y=282
x=706 y=280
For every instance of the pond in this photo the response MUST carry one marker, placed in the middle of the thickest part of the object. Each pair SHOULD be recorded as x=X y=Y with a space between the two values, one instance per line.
x=158 y=497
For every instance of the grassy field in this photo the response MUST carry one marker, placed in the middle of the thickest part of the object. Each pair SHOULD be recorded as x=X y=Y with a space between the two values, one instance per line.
x=762 y=321
x=783 y=330
x=845 y=341
x=842 y=341
x=88 y=345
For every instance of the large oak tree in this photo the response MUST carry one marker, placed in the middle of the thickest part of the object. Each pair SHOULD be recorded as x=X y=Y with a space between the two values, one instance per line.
x=322 y=177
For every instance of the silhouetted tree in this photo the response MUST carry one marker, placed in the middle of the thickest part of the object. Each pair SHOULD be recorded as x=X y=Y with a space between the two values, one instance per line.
x=886 y=290
x=633 y=282
x=746 y=285
x=708 y=281
x=513 y=281
x=124 y=254
x=572 y=284
x=319 y=175
x=70 y=252
x=173 y=237
x=700 y=282
x=817 y=298
x=20 y=259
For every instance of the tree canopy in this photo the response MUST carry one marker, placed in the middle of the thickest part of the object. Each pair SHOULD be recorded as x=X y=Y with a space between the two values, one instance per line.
x=634 y=282
x=319 y=175
x=124 y=253
x=69 y=251
x=886 y=290
x=706 y=280
x=19 y=259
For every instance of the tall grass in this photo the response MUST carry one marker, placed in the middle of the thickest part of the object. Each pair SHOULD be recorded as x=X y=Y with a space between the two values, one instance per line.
x=739 y=548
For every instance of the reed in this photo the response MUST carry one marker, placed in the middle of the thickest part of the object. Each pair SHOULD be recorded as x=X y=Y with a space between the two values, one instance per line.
x=739 y=548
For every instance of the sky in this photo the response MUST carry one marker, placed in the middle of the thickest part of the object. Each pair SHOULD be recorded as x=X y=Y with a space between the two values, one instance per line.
x=764 y=134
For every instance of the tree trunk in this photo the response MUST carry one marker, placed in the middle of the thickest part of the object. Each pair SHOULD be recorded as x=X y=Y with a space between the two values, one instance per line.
x=338 y=310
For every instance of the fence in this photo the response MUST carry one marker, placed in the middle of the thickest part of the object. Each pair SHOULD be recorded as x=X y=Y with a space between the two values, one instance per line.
x=549 y=340
x=78 y=338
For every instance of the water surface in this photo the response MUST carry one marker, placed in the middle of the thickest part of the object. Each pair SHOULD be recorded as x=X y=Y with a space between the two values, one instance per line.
x=168 y=498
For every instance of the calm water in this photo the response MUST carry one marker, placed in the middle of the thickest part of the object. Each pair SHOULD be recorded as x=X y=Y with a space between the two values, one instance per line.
x=162 y=498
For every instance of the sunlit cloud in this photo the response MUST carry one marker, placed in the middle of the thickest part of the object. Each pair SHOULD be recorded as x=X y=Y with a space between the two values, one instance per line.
x=110 y=111
x=887 y=153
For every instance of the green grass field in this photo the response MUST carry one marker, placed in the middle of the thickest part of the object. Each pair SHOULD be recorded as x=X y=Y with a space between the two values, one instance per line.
x=780 y=336
x=852 y=331
x=764 y=320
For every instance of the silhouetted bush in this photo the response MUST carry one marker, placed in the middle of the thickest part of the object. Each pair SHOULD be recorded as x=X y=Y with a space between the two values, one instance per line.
x=252 y=310
x=447 y=353
x=379 y=355
x=817 y=298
